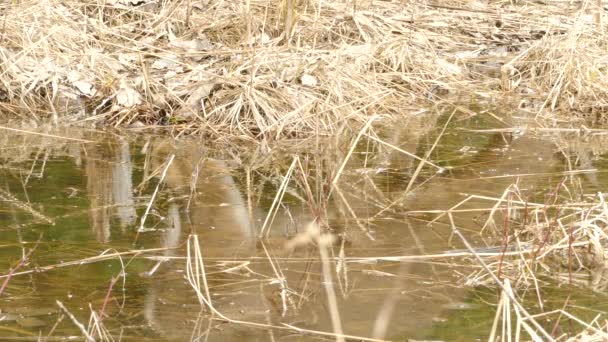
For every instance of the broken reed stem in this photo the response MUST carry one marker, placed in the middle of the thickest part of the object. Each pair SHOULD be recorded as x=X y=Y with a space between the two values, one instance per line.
x=195 y=271
x=497 y=281
x=323 y=242
x=106 y=300
x=289 y=20
x=506 y=313
x=97 y=328
x=453 y=209
x=24 y=259
x=421 y=164
x=280 y=278
x=188 y=13
x=197 y=278
x=11 y=199
x=162 y=178
x=426 y=161
x=598 y=15
x=80 y=262
x=264 y=231
x=46 y=135
x=499 y=309
x=80 y=326
x=353 y=145
x=428 y=153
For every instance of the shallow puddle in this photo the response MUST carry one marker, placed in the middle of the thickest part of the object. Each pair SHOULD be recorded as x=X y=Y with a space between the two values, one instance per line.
x=106 y=222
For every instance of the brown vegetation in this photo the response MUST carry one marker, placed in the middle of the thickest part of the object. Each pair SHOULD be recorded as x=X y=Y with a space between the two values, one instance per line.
x=276 y=69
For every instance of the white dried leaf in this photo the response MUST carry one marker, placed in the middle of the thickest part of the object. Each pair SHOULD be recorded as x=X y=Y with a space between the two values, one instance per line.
x=146 y=42
x=500 y=51
x=74 y=76
x=264 y=39
x=378 y=273
x=479 y=5
x=86 y=88
x=127 y=59
x=465 y=149
x=137 y=124
x=449 y=67
x=355 y=51
x=135 y=82
x=165 y=63
x=175 y=85
x=169 y=74
x=128 y=97
x=198 y=73
x=195 y=102
x=466 y=54
x=201 y=5
x=196 y=99
x=67 y=92
x=309 y=80
x=192 y=45
x=55 y=86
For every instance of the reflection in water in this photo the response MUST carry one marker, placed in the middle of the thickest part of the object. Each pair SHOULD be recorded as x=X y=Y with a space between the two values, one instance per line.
x=99 y=178
x=206 y=190
x=524 y=161
x=122 y=185
x=170 y=240
x=108 y=171
x=213 y=207
x=261 y=281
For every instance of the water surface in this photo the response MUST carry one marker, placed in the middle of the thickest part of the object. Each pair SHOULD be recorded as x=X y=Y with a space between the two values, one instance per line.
x=104 y=221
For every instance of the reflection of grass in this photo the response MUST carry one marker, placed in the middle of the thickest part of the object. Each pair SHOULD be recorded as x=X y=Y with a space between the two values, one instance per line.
x=475 y=321
x=72 y=239
x=467 y=324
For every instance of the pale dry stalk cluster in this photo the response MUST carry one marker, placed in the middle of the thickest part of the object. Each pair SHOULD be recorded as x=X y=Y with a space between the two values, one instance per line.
x=292 y=67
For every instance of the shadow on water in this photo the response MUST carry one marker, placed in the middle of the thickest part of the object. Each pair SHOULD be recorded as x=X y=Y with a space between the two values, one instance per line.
x=73 y=200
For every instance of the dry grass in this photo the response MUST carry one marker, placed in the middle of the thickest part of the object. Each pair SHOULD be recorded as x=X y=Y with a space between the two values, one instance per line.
x=276 y=69
x=539 y=245
x=565 y=234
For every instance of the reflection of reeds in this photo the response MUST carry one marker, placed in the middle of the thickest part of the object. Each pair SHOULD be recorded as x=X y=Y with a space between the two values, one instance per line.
x=531 y=325
x=122 y=185
x=197 y=278
x=99 y=179
x=566 y=232
x=109 y=174
x=324 y=242
x=74 y=320
x=9 y=198
x=566 y=236
x=95 y=330
x=142 y=221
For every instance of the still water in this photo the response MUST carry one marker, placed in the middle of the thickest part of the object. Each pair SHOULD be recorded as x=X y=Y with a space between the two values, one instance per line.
x=98 y=222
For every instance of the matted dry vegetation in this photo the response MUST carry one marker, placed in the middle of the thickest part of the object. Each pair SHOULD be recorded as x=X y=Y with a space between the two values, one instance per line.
x=284 y=68
x=291 y=68
x=561 y=240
